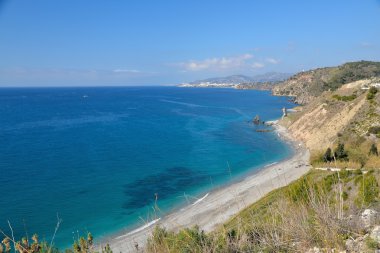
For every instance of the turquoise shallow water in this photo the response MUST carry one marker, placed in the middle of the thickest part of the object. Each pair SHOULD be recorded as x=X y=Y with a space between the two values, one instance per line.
x=98 y=156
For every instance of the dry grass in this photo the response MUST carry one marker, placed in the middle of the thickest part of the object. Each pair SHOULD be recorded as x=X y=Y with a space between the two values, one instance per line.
x=373 y=162
x=311 y=212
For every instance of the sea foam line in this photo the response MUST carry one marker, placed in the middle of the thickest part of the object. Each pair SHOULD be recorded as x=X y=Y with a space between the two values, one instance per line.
x=140 y=228
x=270 y=164
x=201 y=199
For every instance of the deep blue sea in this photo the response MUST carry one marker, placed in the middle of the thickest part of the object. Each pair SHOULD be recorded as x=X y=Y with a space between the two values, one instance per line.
x=97 y=157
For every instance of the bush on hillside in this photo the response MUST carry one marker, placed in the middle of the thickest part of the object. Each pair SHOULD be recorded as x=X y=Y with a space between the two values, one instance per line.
x=344 y=98
x=371 y=93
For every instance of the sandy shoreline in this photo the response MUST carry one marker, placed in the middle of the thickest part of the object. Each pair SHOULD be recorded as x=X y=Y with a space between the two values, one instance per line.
x=218 y=206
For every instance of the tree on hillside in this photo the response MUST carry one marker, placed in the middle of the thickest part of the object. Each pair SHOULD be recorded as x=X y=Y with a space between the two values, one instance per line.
x=373 y=150
x=327 y=157
x=340 y=153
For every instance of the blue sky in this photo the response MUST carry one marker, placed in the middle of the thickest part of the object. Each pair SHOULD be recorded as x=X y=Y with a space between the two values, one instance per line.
x=141 y=42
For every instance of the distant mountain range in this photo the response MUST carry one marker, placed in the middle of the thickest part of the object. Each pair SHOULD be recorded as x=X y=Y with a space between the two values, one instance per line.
x=238 y=80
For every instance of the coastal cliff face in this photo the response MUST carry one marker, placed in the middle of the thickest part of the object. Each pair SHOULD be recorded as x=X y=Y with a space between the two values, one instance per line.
x=345 y=113
x=308 y=85
x=335 y=105
x=320 y=122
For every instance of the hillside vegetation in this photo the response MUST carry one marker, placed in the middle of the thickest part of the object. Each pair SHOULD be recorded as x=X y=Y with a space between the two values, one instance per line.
x=307 y=85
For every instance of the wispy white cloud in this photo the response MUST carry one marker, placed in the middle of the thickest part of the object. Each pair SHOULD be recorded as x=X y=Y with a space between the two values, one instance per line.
x=240 y=62
x=272 y=61
x=222 y=63
x=258 y=65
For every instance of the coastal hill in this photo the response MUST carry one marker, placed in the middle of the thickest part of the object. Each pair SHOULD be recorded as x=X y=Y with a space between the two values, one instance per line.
x=307 y=85
x=264 y=81
x=340 y=105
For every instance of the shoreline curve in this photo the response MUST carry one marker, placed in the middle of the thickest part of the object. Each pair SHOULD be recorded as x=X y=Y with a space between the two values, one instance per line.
x=217 y=206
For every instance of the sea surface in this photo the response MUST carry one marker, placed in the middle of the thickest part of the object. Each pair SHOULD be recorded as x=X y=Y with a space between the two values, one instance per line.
x=108 y=159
